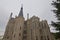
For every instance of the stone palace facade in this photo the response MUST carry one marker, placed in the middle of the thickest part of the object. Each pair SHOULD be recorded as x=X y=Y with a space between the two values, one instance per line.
x=31 y=29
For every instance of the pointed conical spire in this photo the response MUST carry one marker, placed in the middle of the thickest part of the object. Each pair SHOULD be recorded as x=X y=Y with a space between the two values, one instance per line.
x=21 y=11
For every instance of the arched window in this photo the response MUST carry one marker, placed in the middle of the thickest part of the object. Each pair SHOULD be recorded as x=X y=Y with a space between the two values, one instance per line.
x=36 y=38
x=7 y=37
x=20 y=27
x=25 y=32
x=14 y=35
x=41 y=37
x=19 y=34
x=47 y=37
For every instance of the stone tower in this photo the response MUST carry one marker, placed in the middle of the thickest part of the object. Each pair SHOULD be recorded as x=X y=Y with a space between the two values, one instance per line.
x=19 y=26
x=31 y=29
x=9 y=29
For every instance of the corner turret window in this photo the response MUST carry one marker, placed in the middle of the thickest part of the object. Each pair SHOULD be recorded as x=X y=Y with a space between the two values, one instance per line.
x=20 y=27
x=12 y=32
x=40 y=31
x=25 y=32
x=36 y=38
x=47 y=38
x=41 y=37
x=14 y=35
x=7 y=37
x=19 y=34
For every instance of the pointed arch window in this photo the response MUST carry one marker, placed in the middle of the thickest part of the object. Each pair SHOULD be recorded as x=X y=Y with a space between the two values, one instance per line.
x=19 y=34
x=36 y=38
x=47 y=37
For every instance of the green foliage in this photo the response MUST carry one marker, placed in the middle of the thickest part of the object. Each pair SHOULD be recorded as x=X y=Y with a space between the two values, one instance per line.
x=56 y=5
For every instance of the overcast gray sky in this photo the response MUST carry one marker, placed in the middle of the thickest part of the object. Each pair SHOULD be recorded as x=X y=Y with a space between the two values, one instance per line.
x=40 y=8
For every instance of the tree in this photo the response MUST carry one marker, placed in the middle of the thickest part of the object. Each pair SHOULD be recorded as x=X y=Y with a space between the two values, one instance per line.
x=56 y=24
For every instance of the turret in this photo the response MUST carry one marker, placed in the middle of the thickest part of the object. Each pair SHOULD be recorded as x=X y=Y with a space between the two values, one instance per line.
x=11 y=15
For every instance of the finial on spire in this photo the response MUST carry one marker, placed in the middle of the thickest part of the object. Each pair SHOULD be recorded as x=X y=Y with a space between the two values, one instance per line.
x=21 y=5
x=27 y=15
x=21 y=11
